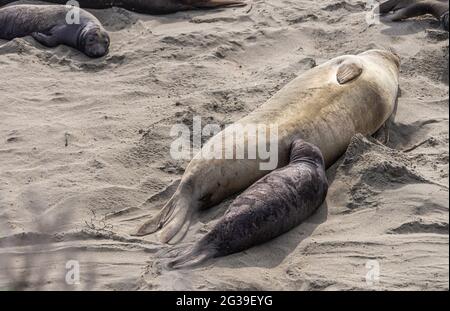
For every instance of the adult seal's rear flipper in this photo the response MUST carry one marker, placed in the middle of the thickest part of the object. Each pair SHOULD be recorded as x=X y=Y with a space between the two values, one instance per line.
x=47 y=39
x=272 y=206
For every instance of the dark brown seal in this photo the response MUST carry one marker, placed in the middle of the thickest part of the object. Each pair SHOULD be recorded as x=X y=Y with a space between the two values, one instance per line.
x=404 y=9
x=272 y=206
x=48 y=24
x=151 y=6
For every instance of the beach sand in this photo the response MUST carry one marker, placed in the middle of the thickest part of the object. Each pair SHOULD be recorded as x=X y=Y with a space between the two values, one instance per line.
x=84 y=143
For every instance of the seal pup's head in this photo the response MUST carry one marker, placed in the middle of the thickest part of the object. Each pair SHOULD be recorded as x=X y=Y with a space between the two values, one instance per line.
x=302 y=151
x=94 y=41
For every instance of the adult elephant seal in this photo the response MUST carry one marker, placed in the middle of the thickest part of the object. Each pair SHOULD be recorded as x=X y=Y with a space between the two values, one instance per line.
x=325 y=107
x=154 y=6
x=404 y=9
x=47 y=24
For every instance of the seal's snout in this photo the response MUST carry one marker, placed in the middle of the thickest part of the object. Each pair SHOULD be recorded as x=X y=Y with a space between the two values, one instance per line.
x=98 y=51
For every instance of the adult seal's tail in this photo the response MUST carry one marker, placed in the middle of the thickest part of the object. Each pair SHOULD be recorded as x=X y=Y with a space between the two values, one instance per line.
x=325 y=106
x=404 y=9
x=49 y=25
x=272 y=206
x=151 y=6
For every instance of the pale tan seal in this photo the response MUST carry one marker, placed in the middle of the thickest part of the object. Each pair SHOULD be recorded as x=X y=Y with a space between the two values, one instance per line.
x=326 y=106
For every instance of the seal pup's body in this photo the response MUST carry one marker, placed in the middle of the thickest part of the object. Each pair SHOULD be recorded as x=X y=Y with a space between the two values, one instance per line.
x=47 y=24
x=272 y=206
x=404 y=9
x=326 y=106
x=155 y=7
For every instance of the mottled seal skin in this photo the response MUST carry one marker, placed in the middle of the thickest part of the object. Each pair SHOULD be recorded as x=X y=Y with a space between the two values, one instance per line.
x=275 y=204
x=154 y=7
x=325 y=106
x=47 y=24
x=404 y=9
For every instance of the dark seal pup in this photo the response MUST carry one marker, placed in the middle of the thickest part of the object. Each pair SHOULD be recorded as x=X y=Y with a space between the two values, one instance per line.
x=404 y=9
x=154 y=6
x=48 y=25
x=272 y=206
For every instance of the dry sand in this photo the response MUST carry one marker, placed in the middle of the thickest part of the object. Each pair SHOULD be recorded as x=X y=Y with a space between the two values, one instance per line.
x=385 y=207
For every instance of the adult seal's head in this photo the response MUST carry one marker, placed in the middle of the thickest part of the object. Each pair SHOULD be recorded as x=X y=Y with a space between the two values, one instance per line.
x=93 y=40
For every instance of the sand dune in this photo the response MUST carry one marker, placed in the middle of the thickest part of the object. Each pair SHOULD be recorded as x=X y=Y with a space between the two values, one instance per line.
x=84 y=143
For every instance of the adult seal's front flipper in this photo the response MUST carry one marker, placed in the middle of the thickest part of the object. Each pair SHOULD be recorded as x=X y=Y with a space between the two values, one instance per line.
x=272 y=206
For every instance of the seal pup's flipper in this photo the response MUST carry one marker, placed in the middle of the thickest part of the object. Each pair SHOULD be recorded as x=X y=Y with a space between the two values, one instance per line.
x=49 y=38
x=272 y=206
x=348 y=71
x=175 y=228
